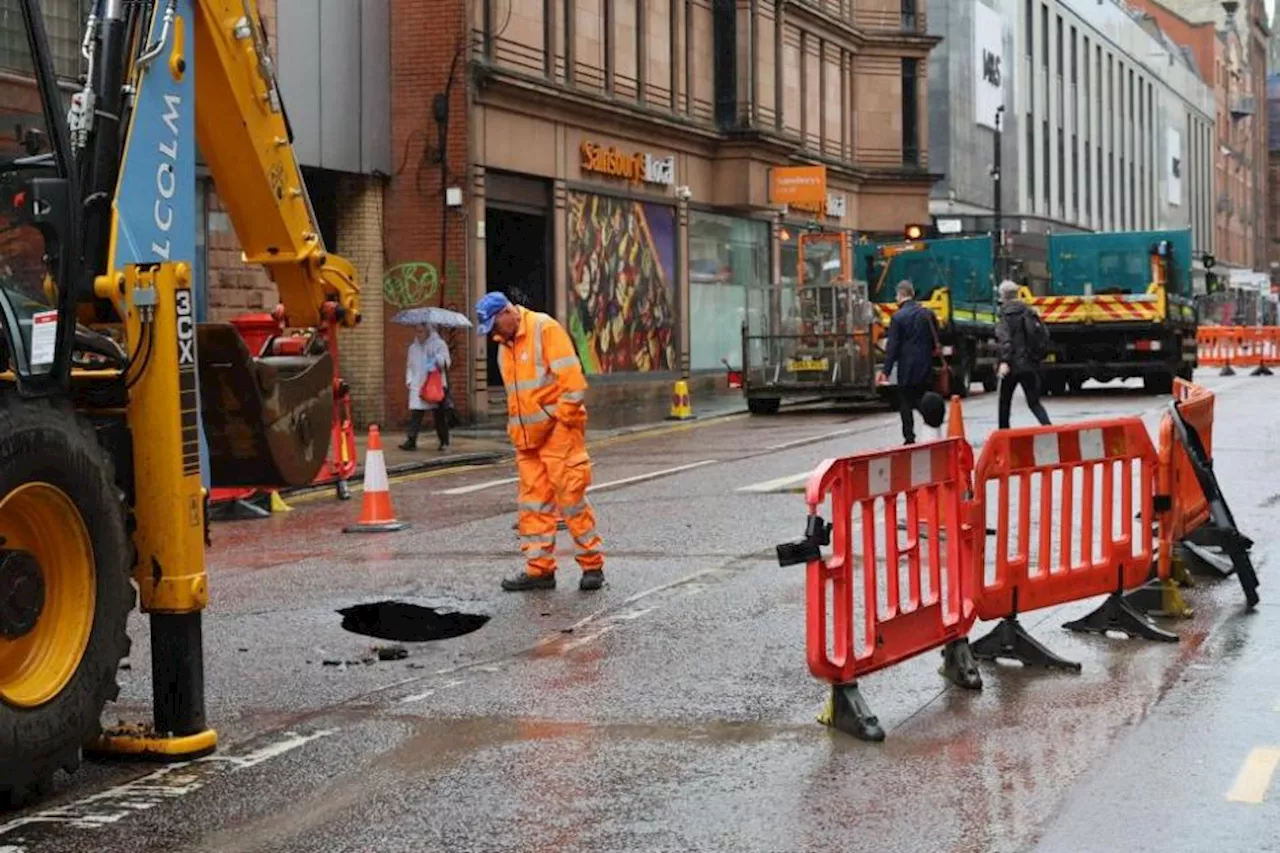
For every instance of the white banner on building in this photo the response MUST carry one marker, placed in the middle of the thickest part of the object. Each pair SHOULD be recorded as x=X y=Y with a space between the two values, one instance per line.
x=990 y=70
x=1174 y=166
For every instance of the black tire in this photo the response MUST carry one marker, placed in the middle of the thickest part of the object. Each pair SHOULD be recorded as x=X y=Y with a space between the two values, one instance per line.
x=41 y=442
x=1055 y=385
x=990 y=382
x=763 y=405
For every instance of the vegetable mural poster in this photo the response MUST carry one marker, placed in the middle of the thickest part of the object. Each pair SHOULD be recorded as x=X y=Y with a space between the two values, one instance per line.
x=622 y=271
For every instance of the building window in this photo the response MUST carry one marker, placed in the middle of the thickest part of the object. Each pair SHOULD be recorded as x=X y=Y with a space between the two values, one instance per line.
x=727 y=257
x=1088 y=186
x=1031 y=29
x=1062 y=174
x=909 y=22
x=1075 y=176
x=1058 y=65
x=910 y=114
x=1123 y=216
x=1048 y=172
x=1073 y=55
x=1031 y=158
x=1044 y=35
x=1111 y=190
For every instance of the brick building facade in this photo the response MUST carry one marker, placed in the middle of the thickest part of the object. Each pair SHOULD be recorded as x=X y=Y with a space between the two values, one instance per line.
x=611 y=167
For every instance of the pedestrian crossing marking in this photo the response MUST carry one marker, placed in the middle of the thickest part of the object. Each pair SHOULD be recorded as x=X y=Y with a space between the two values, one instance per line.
x=1255 y=776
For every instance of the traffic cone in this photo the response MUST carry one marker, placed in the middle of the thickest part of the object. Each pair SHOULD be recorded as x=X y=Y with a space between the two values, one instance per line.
x=681 y=408
x=376 y=515
x=955 y=419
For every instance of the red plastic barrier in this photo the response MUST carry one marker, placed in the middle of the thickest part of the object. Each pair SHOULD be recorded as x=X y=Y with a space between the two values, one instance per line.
x=1098 y=551
x=874 y=621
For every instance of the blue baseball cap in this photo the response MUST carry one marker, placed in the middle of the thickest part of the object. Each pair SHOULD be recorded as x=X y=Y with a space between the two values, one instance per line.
x=488 y=308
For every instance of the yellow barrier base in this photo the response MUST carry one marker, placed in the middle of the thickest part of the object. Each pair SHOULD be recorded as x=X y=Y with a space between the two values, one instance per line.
x=278 y=504
x=142 y=742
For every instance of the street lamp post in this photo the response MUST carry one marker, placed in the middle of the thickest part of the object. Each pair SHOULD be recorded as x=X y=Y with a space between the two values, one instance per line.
x=999 y=196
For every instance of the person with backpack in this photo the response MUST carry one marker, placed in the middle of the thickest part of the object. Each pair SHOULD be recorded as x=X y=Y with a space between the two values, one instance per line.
x=1024 y=342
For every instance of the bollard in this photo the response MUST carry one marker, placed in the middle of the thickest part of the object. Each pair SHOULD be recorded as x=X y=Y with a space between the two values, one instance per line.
x=681 y=408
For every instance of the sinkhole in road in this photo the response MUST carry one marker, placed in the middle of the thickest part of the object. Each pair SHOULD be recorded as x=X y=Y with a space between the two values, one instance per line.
x=403 y=622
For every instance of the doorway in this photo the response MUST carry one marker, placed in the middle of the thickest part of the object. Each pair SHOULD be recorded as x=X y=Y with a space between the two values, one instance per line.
x=517 y=247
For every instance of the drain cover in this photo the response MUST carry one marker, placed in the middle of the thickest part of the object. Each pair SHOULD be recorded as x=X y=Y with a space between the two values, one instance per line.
x=409 y=623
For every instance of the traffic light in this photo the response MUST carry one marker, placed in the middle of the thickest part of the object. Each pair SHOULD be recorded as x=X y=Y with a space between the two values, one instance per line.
x=914 y=231
x=1208 y=260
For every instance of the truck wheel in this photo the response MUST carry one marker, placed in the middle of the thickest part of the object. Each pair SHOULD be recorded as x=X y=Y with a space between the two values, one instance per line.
x=1186 y=373
x=763 y=405
x=65 y=593
x=1055 y=386
x=1158 y=383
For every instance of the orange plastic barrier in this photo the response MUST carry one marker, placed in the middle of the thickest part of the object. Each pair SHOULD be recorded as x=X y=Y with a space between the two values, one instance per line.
x=1076 y=535
x=1238 y=346
x=875 y=619
x=1188 y=508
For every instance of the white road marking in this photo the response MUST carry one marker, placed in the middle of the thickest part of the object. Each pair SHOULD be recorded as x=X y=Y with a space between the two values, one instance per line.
x=426 y=694
x=9 y=848
x=814 y=439
x=479 y=487
x=652 y=475
x=778 y=484
x=582 y=641
x=1255 y=776
x=165 y=784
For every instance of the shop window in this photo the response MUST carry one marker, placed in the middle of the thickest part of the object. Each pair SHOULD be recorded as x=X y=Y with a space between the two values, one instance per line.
x=727 y=256
x=622 y=295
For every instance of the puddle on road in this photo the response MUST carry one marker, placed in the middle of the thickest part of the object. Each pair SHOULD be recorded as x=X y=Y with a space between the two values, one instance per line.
x=402 y=622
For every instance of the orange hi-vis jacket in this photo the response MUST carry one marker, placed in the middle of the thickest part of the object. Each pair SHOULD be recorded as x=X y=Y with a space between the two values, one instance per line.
x=544 y=381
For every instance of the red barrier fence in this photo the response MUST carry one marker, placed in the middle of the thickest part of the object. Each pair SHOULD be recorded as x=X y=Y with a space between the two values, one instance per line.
x=875 y=619
x=1238 y=346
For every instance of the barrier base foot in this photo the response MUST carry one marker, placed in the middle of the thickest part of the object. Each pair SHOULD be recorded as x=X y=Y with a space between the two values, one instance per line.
x=237 y=510
x=343 y=489
x=1115 y=614
x=848 y=712
x=1010 y=641
x=959 y=666
x=1227 y=371
x=1159 y=598
x=1261 y=370
x=1201 y=560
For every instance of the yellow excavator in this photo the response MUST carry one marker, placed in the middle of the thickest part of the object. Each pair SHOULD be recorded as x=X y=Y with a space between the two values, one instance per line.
x=118 y=411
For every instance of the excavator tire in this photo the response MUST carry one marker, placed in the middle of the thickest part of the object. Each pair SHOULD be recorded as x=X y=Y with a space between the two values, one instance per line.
x=65 y=592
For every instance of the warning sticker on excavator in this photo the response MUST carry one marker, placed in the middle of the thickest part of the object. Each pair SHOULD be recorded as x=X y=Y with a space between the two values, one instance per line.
x=44 y=337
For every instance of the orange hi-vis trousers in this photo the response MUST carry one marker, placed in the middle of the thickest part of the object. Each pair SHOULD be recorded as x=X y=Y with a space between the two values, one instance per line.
x=554 y=478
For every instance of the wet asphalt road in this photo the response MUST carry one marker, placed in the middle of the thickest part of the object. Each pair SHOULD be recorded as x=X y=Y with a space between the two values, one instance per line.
x=674 y=710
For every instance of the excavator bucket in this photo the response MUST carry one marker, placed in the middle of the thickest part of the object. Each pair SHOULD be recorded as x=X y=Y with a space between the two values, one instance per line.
x=267 y=419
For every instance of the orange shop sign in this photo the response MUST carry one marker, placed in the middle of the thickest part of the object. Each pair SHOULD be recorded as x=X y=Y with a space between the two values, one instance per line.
x=638 y=168
x=798 y=184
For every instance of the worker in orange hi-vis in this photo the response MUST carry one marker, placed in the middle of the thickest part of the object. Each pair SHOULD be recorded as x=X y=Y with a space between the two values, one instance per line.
x=547 y=423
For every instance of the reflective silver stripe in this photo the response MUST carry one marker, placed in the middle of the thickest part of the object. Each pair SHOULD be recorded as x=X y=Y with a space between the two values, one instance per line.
x=592 y=552
x=540 y=381
x=576 y=509
x=574 y=396
x=538 y=548
x=586 y=539
x=529 y=506
x=537 y=345
x=528 y=420
x=562 y=363
x=536 y=538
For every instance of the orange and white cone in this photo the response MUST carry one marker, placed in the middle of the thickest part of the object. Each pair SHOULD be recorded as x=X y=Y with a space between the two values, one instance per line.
x=376 y=515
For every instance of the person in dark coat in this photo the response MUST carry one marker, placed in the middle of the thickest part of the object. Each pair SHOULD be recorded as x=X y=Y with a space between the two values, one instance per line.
x=909 y=348
x=1020 y=337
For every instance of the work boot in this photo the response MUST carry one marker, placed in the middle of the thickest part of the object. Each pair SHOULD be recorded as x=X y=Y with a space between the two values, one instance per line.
x=525 y=582
x=591 y=581
x=409 y=444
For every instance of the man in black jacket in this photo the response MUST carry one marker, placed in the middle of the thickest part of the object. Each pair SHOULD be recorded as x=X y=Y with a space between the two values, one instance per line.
x=1021 y=338
x=909 y=348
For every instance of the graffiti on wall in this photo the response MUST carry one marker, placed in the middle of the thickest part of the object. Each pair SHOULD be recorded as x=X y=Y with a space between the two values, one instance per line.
x=416 y=283
x=621 y=302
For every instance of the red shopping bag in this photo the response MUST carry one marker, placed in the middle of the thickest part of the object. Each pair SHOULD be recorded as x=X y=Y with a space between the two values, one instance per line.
x=432 y=391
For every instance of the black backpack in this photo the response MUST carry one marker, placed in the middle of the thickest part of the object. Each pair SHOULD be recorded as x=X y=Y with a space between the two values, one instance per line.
x=1037 y=336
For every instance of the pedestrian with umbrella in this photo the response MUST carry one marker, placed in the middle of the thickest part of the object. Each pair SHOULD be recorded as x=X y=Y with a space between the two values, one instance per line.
x=426 y=375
